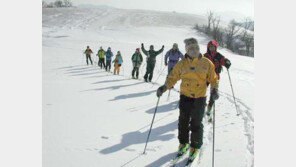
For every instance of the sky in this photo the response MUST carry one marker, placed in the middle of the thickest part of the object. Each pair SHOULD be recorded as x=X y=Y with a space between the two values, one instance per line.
x=229 y=7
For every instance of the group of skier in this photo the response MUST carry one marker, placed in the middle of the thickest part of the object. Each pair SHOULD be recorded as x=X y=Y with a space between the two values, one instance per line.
x=102 y=54
x=197 y=71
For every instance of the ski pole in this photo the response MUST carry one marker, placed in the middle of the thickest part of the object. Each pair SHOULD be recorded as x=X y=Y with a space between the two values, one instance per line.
x=122 y=70
x=213 y=151
x=151 y=124
x=158 y=77
x=83 y=59
x=161 y=61
x=233 y=93
x=168 y=99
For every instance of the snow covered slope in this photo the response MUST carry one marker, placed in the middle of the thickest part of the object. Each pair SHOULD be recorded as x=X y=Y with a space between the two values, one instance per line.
x=93 y=118
x=98 y=18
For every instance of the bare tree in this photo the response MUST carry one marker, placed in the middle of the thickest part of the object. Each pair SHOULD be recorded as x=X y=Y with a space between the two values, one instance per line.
x=248 y=40
x=44 y=4
x=58 y=3
x=68 y=3
x=231 y=32
x=217 y=33
x=210 y=16
x=247 y=37
x=237 y=37
x=50 y=5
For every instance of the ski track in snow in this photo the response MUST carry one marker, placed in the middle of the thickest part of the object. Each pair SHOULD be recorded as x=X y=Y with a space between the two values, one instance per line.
x=91 y=116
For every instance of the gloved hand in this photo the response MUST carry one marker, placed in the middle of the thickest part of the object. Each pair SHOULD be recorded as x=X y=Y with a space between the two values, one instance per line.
x=142 y=44
x=162 y=46
x=215 y=94
x=166 y=63
x=227 y=64
x=161 y=90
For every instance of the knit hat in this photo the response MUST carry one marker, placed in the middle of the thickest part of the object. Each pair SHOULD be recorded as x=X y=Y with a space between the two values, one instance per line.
x=191 y=43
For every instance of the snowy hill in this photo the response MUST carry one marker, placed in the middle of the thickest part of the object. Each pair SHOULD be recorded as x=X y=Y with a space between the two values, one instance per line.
x=93 y=118
x=96 y=18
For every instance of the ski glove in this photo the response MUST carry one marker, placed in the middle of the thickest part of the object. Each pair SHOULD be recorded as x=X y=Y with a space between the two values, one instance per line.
x=215 y=94
x=165 y=63
x=161 y=90
x=227 y=64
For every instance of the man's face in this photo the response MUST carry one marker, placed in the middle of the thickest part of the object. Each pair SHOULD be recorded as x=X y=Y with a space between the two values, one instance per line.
x=193 y=51
x=212 y=48
x=151 y=47
x=175 y=47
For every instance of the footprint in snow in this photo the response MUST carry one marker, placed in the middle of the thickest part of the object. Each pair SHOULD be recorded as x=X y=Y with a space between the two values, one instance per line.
x=218 y=150
x=151 y=150
x=129 y=149
x=105 y=137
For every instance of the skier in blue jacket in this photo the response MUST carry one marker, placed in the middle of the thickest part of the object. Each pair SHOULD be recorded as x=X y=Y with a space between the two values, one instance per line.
x=109 y=56
x=173 y=55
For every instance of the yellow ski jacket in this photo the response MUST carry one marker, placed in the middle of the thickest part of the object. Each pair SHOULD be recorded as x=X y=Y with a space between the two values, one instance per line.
x=195 y=73
x=101 y=54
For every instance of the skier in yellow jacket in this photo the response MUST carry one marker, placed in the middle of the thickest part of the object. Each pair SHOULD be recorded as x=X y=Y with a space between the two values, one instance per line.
x=101 y=55
x=88 y=53
x=194 y=71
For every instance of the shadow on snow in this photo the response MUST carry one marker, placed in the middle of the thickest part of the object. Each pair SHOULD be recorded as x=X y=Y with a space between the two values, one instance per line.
x=113 y=87
x=108 y=81
x=138 y=137
x=133 y=95
x=164 y=108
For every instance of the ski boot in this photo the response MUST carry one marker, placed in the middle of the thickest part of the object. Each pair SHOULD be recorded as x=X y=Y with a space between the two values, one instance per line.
x=183 y=148
x=193 y=153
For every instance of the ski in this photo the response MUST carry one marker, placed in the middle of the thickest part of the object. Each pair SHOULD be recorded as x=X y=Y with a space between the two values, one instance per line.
x=168 y=99
x=191 y=160
x=176 y=159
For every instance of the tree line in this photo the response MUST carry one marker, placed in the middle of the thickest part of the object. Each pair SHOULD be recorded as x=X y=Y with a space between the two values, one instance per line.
x=57 y=4
x=237 y=37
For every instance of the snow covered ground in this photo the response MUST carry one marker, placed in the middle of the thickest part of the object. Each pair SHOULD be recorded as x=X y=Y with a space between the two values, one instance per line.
x=94 y=118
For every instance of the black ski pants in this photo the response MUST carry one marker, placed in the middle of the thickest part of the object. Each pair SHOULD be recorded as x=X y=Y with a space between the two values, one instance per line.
x=149 y=70
x=190 y=119
x=88 y=57
x=108 y=65
x=135 y=70
x=102 y=62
